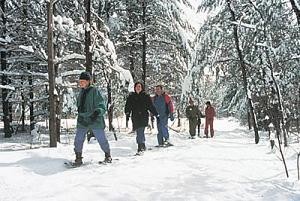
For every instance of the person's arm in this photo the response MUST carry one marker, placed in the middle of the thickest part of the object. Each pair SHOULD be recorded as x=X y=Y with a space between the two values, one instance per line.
x=99 y=105
x=150 y=106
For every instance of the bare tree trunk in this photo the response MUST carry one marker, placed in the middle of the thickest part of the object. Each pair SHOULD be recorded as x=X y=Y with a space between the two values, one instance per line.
x=23 y=107
x=132 y=45
x=88 y=53
x=283 y=159
x=244 y=72
x=110 y=106
x=58 y=96
x=31 y=96
x=178 y=117
x=298 y=111
x=296 y=10
x=51 y=74
x=144 y=43
x=280 y=107
x=298 y=156
x=5 y=103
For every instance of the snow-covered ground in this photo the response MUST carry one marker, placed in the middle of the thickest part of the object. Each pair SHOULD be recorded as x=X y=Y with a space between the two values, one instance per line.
x=228 y=167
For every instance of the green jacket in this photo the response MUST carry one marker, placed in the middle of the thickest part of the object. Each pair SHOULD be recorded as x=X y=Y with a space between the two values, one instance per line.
x=192 y=112
x=93 y=101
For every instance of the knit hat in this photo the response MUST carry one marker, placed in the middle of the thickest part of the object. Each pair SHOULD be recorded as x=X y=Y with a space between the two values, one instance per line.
x=85 y=76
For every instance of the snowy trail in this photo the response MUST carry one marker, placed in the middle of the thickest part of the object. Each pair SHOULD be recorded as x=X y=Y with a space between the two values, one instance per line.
x=227 y=167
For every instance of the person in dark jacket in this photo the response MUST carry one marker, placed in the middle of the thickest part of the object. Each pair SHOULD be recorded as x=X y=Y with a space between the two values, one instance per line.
x=194 y=116
x=209 y=119
x=138 y=105
x=165 y=108
x=91 y=110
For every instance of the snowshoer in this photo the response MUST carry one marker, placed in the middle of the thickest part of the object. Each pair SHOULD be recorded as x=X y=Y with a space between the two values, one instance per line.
x=165 y=109
x=194 y=116
x=138 y=105
x=91 y=109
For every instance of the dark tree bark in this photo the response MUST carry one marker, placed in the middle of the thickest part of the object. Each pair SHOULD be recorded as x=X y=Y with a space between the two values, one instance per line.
x=23 y=107
x=296 y=11
x=244 y=71
x=178 y=117
x=110 y=106
x=51 y=74
x=88 y=53
x=4 y=81
x=132 y=45
x=144 y=43
x=31 y=96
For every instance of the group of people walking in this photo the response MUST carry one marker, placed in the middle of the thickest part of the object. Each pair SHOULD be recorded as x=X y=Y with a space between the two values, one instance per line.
x=139 y=104
x=194 y=116
x=91 y=109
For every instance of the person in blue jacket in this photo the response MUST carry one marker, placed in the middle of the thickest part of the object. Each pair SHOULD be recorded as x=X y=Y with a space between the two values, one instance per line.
x=165 y=108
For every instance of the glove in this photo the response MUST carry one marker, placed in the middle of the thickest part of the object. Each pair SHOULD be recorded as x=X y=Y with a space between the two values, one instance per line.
x=127 y=117
x=82 y=121
x=171 y=116
x=152 y=118
x=94 y=116
x=157 y=119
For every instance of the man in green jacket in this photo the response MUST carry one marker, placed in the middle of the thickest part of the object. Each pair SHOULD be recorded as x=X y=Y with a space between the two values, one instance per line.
x=91 y=110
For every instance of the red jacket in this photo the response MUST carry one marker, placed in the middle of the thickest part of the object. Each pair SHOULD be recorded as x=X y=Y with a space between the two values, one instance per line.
x=169 y=103
x=210 y=112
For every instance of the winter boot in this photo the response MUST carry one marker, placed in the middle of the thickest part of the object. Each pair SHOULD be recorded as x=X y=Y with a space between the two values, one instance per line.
x=139 y=148
x=107 y=158
x=78 y=160
x=143 y=147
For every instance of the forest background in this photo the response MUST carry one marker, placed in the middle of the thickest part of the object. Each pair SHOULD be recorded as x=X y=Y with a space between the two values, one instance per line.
x=242 y=55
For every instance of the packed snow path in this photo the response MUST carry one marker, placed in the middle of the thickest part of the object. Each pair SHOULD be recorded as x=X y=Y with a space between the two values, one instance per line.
x=228 y=167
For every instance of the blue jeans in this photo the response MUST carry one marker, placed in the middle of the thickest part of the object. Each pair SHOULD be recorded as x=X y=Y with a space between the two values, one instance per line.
x=162 y=127
x=140 y=135
x=99 y=134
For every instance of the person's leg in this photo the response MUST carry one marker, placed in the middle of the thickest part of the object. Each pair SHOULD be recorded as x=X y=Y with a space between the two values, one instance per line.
x=79 y=139
x=206 y=127
x=102 y=140
x=212 y=132
x=164 y=128
x=159 y=134
x=193 y=125
x=191 y=128
x=140 y=138
x=78 y=144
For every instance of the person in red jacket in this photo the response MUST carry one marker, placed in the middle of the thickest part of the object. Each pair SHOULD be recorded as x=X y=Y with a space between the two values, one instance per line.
x=209 y=119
